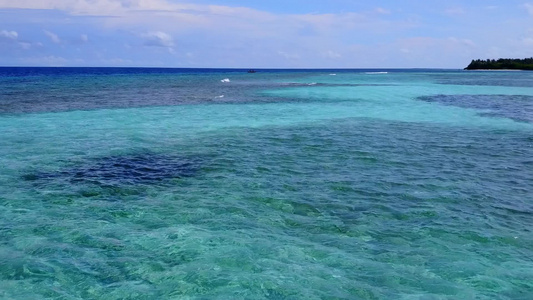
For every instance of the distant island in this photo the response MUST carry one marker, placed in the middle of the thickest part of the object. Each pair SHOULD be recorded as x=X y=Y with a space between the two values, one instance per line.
x=501 y=64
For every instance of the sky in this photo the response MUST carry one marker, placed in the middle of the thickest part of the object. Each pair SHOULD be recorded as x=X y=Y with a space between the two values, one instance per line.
x=263 y=34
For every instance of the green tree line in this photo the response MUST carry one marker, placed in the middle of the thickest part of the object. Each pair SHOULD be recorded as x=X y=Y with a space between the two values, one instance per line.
x=502 y=63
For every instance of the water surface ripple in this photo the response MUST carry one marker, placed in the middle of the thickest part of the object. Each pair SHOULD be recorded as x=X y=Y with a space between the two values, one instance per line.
x=339 y=190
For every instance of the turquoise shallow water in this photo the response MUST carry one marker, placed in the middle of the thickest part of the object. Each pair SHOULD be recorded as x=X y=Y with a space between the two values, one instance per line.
x=148 y=184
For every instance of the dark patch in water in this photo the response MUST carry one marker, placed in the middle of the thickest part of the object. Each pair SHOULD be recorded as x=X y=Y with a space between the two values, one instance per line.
x=146 y=168
x=484 y=78
x=516 y=107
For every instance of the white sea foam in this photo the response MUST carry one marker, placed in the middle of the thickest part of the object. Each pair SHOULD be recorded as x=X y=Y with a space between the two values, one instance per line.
x=225 y=80
x=332 y=74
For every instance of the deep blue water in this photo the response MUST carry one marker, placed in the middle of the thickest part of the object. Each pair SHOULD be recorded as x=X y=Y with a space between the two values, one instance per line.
x=124 y=183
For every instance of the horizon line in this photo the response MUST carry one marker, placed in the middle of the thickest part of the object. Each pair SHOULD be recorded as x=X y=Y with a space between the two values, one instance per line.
x=240 y=68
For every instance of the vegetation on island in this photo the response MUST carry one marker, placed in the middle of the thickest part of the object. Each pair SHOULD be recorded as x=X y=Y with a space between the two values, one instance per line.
x=501 y=64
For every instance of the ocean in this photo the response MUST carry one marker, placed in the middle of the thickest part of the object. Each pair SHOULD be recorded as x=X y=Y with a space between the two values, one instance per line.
x=138 y=183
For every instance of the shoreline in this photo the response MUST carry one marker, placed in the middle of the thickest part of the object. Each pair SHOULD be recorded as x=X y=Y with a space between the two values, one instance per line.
x=502 y=70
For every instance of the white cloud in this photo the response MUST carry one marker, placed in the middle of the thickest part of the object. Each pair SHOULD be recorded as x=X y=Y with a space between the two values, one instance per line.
x=240 y=35
x=79 y=7
x=52 y=36
x=9 y=34
x=183 y=16
x=122 y=8
x=11 y=38
x=158 y=39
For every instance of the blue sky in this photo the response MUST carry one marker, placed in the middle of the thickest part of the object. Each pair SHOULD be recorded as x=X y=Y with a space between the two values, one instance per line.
x=263 y=34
